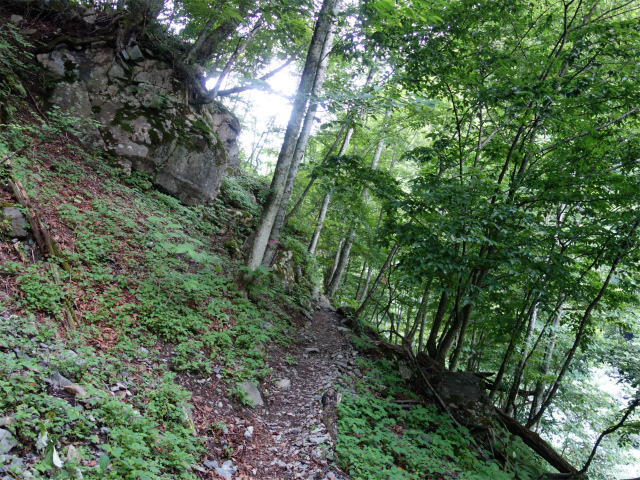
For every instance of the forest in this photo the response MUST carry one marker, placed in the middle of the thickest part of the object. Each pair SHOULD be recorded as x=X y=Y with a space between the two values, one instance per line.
x=461 y=178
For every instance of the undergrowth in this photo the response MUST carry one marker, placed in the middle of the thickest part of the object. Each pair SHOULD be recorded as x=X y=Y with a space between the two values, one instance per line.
x=378 y=439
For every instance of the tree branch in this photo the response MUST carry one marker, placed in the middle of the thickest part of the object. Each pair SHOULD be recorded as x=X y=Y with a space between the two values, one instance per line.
x=584 y=134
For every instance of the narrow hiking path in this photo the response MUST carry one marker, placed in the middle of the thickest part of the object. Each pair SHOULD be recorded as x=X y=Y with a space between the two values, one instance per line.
x=285 y=438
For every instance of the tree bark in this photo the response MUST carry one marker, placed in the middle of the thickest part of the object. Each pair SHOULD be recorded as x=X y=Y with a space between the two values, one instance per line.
x=519 y=372
x=367 y=299
x=301 y=147
x=314 y=177
x=272 y=204
x=342 y=263
x=544 y=369
x=432 y=347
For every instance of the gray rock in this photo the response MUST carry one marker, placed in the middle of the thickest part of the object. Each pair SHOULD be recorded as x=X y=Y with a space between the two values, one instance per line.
x=58 y=381
x=324 y=302
x=252 y=393
x=135 y=53
x=225 y=471
x=465 y=396
x=17 y=222
x=7 y=442
x=287 y=270
x=7 y=421
x=284 y=384
x=145 y=118
x=318 y=440
x=76 y=390
x=16 y=20
x=312 y=350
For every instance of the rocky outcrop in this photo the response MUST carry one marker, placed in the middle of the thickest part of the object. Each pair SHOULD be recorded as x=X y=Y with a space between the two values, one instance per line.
x=141 y=114
x=288 y=270
x=466 y=398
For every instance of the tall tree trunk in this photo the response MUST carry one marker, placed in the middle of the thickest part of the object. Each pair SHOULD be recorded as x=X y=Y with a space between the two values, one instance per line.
x=367 y=299
x=336 y=259
x=314 y=177
x=432 y=341
x=519 y=372
x=581 y=329
x=364 y=267
x=327 y=197
x=272 y=204
x=420 y=315
x=301 y=146
x=342 y=263
x=544 y=368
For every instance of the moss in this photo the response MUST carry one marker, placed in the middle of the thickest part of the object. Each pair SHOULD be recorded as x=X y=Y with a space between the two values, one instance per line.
x=220 y=146
x=153 y=135
x=7 y=204
x=69 y=72
x=202 y=127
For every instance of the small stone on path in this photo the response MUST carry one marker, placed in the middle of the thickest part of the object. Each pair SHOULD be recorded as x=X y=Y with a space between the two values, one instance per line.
x=284 y=384
x=252 y=393
x=75 y=390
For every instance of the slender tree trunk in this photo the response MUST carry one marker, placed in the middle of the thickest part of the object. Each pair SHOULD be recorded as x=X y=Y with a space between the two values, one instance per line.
x=544 y=368
x=519 y=372
x=327 y=197
x=263 y=230
x=432 y=345
x=453 y=363
x=234 y=56
x=364 y=267
x=420 y=315
x=314 y=177
x=334 y=265
x=457 y=329
x=335 y=282
x=342 y=263
x=301 y=146
x=366 y=284
x=581 y=329
x=367 y=299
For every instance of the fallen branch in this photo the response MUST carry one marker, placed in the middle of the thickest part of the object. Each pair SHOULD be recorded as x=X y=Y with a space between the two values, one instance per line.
x=538 y=445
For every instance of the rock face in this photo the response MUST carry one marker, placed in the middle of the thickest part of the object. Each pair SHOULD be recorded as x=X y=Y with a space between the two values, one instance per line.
x=287 y=270
x=466 y=398
x=144 y=117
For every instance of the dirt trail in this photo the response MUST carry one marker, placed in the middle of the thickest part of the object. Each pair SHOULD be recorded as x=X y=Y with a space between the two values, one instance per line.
x=285 y=438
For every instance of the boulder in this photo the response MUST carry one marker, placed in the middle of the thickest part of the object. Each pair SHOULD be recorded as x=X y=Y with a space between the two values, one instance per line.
x=139 y=112
x=7 y=441
x=465 y=396
x=252 y=393
x=15 y=225
x=285 y=269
